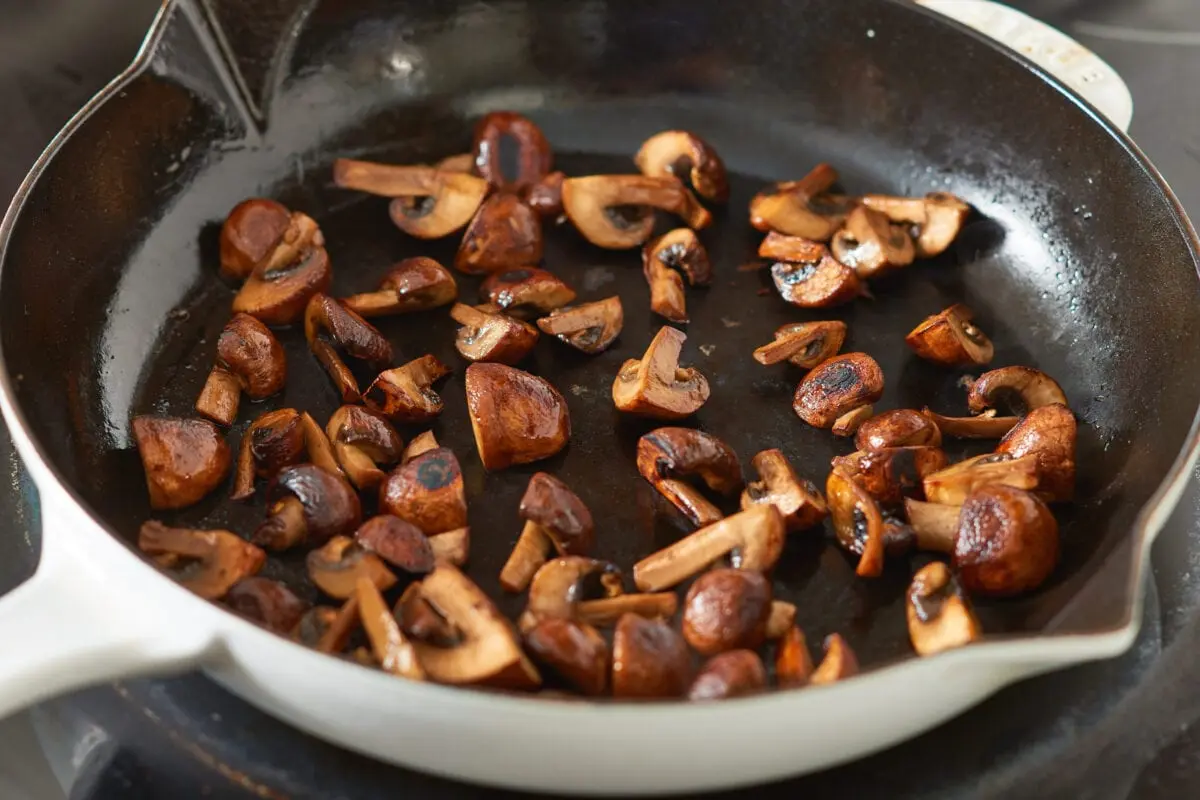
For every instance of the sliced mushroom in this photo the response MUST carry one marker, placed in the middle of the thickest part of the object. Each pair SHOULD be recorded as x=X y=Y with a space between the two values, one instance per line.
x=504 y=233
x=273 y=441
x=394 y=653
x=184 y=459
x=890 y=474
x=681 y=154
x=249 y=359
x=414 y=284
x=430 y=202
x=798 y=500
x=901 y=427
x=517 y=418
x=526 y=290
x=1022 y=388
x=649 y=660
x=545 y=196
x=847 y=424
x=363 y=440
x=752 y=538
x=398 y=542
x=428 y=492
x=421 y=621
x=939 y=615
x=781 y=619
x=953 y=484
x=308 y=505
x=656 y=386
x=555 y=519
x=838 y=664
x=421 y=443
x=590 y=327
x=281 y=284
x=949 y=338
x=207 y=563
x=451 y=547
x=666 y=456
x=561 y=583
x=727 y=609
x=329 y=326
x=616 y=211
x=573 y=651
x=667 y=298
x=834 y=387
x=325 y=629
x=732 y=674
x=681 y=250
x=804 y=344
x=857 y=522
x=488 y=652
x=492 y=337
x=337 y=566
x=605 y=611
x=1048 y=434
x=267 y=603
x=534 y=156
x=405 y=394
x=984 y=426
x=251 y=230
x=871 y=245
x=793 y=664
x=810 y=277
x=938 y=217
x=803 y=207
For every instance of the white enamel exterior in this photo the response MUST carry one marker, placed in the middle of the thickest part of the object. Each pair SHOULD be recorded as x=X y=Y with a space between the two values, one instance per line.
x=94 y=613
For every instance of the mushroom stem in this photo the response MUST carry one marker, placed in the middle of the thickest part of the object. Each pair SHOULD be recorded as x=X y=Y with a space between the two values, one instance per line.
x=220 y=397
x=689 y=500
x=935 y=525
x=674 y=564
x=528 y=555
x=606 y=611
x=781 y=620
x=285 y=527
x=393 y=651
x=335 y=637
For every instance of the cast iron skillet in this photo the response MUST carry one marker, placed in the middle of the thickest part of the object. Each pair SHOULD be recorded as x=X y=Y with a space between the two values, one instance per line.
x=1078 y=259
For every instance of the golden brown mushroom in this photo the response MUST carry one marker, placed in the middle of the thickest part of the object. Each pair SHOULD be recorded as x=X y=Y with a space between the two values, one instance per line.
x=429 y=202
x=649 y=660
x=937 y=217
x=249 y=359
x=562 y=583
x=451 y=547
x=504 y=233
x=890 y=474
x=803 y=207
x=308 y=505
x=616 y=211
x=573 y=651
x=394 y=653
x=555 y=519
x=517 y=418
x=984 y=426
x=414 y=284
x=667 y=456
x=732 y=674
x=727 y=609
x=793 y=664
x=427 y=491
x=847 y=424
x=281 y=284
x=526 y=290
x=492 y=337
x=951 y=485
x=1022 y=388
x=421 y=443
x=208 y=563
x=184 y=459
x=337 y=566
x=330 y=326
x=939 y=615
x=279 y=439
x=838 y=664
x=534 y=156
x=363 y=441
x=1048 y=434
x=545 y=196
x=398 y=542
x=681 y=153
x=949 y=338
x=267 y=603
x=804 y=344
x=799 y=501
x=871 y=245
x=405 y=394
x=857 y=522
x=589 y=328
x=899 y=427
x=837 y=386
x=806 y=274
x=675 y=252
x=252 y=229
x=656 y=386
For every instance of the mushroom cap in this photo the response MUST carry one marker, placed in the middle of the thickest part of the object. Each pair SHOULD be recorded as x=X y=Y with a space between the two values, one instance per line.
x=331 y=507
x=804 y=344
x=870 y=245
x=265 y=602
x=938 y=613
x=681 y=452
x=595 y=205
x=367 y=430
x=559 y=583
x=819 y=282
x=208 y=563
x=405 y=393
x=892 y=473
x=273 y=441
x=679 y=153
x=1024 y=388
x=1049 y=433
x=1007 y=541
x=251 y=230
x=517 y=417
x=545 y=196
x=280 y=285
x=551 y=504
x=588 y=327
x=249 y=350
x=656 y=386
x=949 y=338
x=899 y=427
x=798 y=500
x=732 y=674
x=534 y=156
x=649 y=660
x=427 y=491
x=329 y=325
x=526 y=288
x=680 y=249
x=504 y=233
x=726 y=609
x=492 y=337
x=857 y=522
x=337 y=566
x=398 y=542
x=414 y=284
x=574 y=651
x=837 y=386
x=184 y=459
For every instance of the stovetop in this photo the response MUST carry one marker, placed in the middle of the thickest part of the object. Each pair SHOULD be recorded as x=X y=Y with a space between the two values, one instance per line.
x=1125 y=728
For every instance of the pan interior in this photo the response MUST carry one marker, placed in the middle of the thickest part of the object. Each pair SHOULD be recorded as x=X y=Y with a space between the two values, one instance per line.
x=1074 y=262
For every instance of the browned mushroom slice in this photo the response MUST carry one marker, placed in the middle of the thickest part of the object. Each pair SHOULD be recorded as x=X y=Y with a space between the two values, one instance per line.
x=938 y=217
x=857 y=522
x=649 y=660
x=608 y=610
x=939 y=615
x=363 y=440
x=526 y=290
x=985 y=426
x=184 y=459
x=205 y=562
x=799 y=501
x=793 y=664
x=336 y=567
x=252 y=229
x=504 y=233
x=1022 y=388
x=656 y=386
x=900 y=427
x=421 y=621
x=249 y=359
x=667 y=298
x=802 y=208
x=834 y=387
x=733 y=674
x=273 y=441
x=804 y=344
x=727 y=609
x=871 y=245
x=308 y=505
x=492 y=337
x=1048 y=434
x=545 y=196
x=666 y=456
x=281 y=284
x=325 y=629
x=573 y=651
x=847 y=424
x=394 y=653
x=811 y=277
x=890 y=474
x=427 y=491
x=398 y=542
x=681 y=250
x=421 y=443
x=329 y=326
x=949 y=338
x=405 y=394
x=559 y=585
x=267 y=603
x=555 y=518
x=781 y=619
x=952 y=485
x=447 y=199
x=590 y=327
x=597 y=206
x=681 y=154
x=414 y=284
x=838 y=664
x=533 y=154
x=488 y=652
x=451 y=547
x=517 y=418
x=752 y=538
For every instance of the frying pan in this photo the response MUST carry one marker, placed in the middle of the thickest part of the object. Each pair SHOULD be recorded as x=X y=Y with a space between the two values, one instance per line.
x=1078 y=261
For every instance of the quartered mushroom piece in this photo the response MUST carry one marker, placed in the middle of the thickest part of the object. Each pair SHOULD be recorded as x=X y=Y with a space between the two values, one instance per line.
x=937 y=218
x=1023 y=389
x=526 y=291
x=953 y=484
x=308 y=505
x=275 y=440
x=421 y=443
x=555 y=519
x=781 y=619
x=575 y=652
x=589 y=328
x=871 y=245
x=427 y=491
x=901 y=427
x=251 y=231
x=803 y=344
x=208 y=563
x=329 y=327
x=806 y=274
x=793 y=664
x=735 y=673
x=517 y=418
x=798 y=500
x=949 y=338
x=533 y=154
x=857 y=522
x=265 y=602
x=889 y=474
x=664 y=261
x=494 y=337
x=504 y=233
x=847 y=424
x=451 y=547
x=281 y=283
x=939 y=615
x=983 y=426
x=184 y=459
x=562 y=584
x=836 y=387
x=1048 y=434
x=666 y=457
x=392 y=651
x=405 y=393
x=249 y=359
x=617 y=211
x=727 y=609
x=398 y=542
x=649 y=660
x=363 y=440
x=545 y=196
x=429 y=202
x=337 y=566
x=684 y=155
x=838 y=664
x=414 y=284
x=656 y=386
x=803 y=207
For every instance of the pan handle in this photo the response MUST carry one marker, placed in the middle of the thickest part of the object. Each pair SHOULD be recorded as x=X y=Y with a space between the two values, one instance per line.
x=1052 y=50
